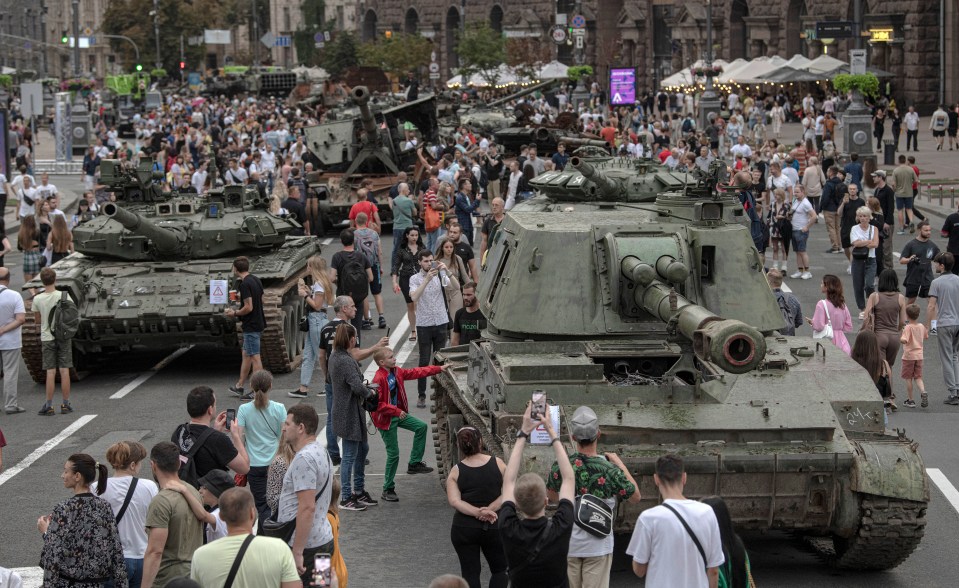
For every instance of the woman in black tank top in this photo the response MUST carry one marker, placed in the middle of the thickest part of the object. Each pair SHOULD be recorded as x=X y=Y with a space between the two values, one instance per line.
x=474 y=488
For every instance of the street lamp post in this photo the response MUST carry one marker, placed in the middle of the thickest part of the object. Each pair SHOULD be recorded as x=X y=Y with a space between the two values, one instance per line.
x=156 y=32
x=76 y=38
x=709 y=101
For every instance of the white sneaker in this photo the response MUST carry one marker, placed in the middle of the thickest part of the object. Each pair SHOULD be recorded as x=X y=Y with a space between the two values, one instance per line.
x=806 y=276
x=775 y=264
x=796 y=275
x=783 y=268
x=849 y=269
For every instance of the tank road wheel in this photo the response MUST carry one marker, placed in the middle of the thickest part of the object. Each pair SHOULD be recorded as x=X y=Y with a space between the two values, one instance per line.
x=447 y=420
x=32 y=351
x=890 y=530
x=281 y=346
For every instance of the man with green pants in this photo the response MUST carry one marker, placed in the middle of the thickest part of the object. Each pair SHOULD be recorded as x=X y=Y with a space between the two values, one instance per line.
x=392 y=414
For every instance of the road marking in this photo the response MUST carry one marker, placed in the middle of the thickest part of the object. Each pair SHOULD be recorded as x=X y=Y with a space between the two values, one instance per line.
x=99 y=447
x=40 y=451
x=945 y=486
x=147 y=375
x=326 y=241
x=896 y=254
x=785 y=288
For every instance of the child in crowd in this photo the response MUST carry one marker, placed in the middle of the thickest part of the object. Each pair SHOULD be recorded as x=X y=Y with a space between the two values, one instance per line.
x=214 y=483
x=912 y=339
x=333 y=515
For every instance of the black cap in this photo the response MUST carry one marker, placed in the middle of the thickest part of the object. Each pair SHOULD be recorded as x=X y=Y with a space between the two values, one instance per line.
x=217 y=481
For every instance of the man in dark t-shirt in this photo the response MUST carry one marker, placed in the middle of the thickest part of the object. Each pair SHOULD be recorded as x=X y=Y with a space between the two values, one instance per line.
x=297 y=212
x=345 y=264
x=917 y=256
x=469 y=322
x=950 y=230
x=251 y=318
x=219 y=451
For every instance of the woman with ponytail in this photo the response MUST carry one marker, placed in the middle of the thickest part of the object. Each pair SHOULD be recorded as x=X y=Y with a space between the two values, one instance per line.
x=317 y=292
x=129 y=496
x=474 y=490
x=260 y=426
x=81 y=545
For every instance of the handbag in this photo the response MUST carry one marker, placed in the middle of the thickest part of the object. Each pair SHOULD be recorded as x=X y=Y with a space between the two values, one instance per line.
x=274 y=528
x=432 y=220
x=826 y=332
x=239 y=480
x=372 y=402
x=593 y=515
x=305 y=323
x=862 y=252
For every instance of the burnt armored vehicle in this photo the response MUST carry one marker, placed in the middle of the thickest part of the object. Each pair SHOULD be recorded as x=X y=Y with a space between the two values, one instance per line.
x=659 y=318
x=147 y=270
x=371 y=146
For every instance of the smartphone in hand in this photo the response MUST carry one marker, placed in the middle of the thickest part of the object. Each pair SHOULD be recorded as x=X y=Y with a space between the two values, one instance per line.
x=230 y=417
x=538 y=410
x=322 y=570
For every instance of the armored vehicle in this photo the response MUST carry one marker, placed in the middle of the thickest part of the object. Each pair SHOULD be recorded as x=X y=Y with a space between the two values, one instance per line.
x=372 y=147
x=659 y=318
x=149 y=271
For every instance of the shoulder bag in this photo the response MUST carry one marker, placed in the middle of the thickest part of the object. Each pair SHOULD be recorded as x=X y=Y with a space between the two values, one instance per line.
x=862 y=252
x=593 y=515
x=271 y=527
x=236 y=562
x=126 y=500
x=826 y=332
x=692 y=535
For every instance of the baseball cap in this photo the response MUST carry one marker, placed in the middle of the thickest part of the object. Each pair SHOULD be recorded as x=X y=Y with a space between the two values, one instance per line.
x=584 y=424
x=880 y=173
x=217 y=481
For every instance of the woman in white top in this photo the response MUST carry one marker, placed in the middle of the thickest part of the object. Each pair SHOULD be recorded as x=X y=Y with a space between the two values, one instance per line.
x=803 y=217
x=863 y=236
x=318 y=294
x=126 y=457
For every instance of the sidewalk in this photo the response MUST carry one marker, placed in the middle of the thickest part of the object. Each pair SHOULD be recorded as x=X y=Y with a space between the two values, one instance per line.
x=69 y=186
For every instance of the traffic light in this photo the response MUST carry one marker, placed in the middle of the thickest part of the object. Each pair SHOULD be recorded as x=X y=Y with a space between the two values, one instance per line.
x=65 y=38
x=182 y=65
x=389 y=35
x=139 y=67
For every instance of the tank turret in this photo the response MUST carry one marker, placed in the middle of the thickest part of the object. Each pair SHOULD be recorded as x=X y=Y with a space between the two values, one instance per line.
x=603 y=187
x=166 y=241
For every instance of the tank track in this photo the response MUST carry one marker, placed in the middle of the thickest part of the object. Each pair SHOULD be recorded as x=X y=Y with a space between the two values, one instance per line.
x=445 y=405
x=281 y=345
x=890 y=530
x=32 y=350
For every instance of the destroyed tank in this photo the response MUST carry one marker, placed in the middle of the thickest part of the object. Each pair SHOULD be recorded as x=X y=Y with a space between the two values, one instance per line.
x=148 y=272
x=659 y=318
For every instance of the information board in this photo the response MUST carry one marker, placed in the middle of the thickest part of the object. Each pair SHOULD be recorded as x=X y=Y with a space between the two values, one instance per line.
x=622 y=86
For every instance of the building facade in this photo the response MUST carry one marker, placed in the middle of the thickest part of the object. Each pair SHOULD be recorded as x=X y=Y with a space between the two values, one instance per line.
x=288 y=19
x=915 y=40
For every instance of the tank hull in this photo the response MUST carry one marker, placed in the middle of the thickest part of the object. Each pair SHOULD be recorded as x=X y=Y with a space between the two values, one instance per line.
x=337 y=196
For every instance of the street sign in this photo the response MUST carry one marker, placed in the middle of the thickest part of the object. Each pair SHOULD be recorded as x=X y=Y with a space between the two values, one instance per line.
x=88 y=31
x=326 y=36
x=579 y=42
x=435 y=76
x=434 y=67
x=318 y=38
x=282 y=41
x=857 y=61
x=834 y=29
x=268 y=38
x=622 y=86
x=558 y=34
x=578 y=22
x=579 y=33
x=319 y=45
x=31 y=99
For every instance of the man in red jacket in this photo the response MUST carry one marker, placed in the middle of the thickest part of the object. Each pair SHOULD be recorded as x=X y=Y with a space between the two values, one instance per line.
x=393 y=413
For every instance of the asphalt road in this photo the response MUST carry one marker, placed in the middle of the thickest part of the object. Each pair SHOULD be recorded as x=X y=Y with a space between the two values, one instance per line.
x=407 y=543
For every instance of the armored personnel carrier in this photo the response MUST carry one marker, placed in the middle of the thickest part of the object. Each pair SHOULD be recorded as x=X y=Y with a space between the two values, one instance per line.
x=659 y=318
x=146 y=271
x=367 y=147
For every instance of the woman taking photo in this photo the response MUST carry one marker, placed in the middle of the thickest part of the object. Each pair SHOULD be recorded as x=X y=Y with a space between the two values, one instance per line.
x=864 y=238
x=318 y=294
x=81 y=545
x=60 y=243
x=28 y=241
x=886 y=315
x=446 y=255
x=404 y=266
x=130 y=514
x=832 y=311
x=735 y=571
x=778 y=225
x=349 y=419
x=260 y=425
x=473 y=488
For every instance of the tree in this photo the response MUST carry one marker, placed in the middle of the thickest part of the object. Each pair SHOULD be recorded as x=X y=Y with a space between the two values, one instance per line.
x=526 y=55
x=314 y=17
x=483 y=50
x=340 y=54
x=396 y=54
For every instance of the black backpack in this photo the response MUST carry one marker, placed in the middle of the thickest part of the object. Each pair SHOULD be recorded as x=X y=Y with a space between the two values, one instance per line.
x=64 y=319
x=188 y=472
x=353 y=281
x=788 y=315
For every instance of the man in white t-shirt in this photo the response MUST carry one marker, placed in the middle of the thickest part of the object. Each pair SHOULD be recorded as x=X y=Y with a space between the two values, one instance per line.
x=12 y=316
x=27 y=195
x=46 y=189
x=662 y=549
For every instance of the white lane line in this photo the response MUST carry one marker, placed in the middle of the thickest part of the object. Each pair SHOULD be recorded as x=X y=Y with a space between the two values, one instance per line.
x=785 y=288
x=945 y=486
x=896 y=254
x=326 y=241
x=147 y=375
x=40 y=451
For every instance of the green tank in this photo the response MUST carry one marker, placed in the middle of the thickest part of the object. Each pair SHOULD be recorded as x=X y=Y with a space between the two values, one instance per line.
x=658 y=316
x=143 y=269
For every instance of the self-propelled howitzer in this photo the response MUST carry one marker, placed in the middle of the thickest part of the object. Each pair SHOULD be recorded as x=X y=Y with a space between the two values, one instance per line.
x=657 y=315
x=154 y=270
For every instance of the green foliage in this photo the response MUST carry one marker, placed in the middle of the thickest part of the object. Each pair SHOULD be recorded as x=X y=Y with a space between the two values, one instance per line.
x=157 y=73
x=397 y=55
x=6 y=81
x=340 y=54
x=575 y=72
x=481 y=49
x=867 y=84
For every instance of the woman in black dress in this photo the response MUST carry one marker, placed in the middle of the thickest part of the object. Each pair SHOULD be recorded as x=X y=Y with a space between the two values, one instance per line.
x=847 y=219
x=879 y=126
x=404 y=267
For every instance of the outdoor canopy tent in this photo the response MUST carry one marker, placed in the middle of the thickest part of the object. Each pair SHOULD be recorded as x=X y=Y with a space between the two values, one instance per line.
x=732 y=69
x=501 y=76
x=685 y=78
x=757 y=70
x=553 y=70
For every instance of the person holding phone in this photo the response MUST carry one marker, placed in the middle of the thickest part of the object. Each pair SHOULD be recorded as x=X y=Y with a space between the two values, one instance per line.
x=428 y=289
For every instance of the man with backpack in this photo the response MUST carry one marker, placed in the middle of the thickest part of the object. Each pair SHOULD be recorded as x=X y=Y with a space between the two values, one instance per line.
x=367 y=242
x=57 y=315
x=353 y=274
x=204 y=448
x=788 y=304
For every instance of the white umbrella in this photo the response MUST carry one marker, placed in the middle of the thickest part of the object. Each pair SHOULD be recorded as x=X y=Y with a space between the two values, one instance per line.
x=758 y=69
x=823 y=64
x=732 y=69
x=553 y=70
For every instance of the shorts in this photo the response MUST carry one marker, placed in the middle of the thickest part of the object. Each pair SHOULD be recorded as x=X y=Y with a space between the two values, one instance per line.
x=405 y=289
x=799 y=239
x=251 y=344
x=952 y=132
x=376 y=286
x=914 y=291
x=903 y=202
x=939 y=133
x=911 y=369
x=57 y=355
x=33 y=261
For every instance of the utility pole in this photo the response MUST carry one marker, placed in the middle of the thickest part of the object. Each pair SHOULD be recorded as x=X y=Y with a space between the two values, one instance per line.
x=76 y=39
x=256 y=36
x=43 y=34
x=709 y=102
x=857 y=22
x=156 y=32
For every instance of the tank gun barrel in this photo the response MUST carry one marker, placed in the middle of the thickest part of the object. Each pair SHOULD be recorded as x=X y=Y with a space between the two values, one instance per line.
x=605 y=186
x=584 y=142
x=731 y=344
x=361 y=97
x=164 y=240
x=521 y=93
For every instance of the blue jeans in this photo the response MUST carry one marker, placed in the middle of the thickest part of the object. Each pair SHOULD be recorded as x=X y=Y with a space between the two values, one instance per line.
x=134 y=573
x=863 y=277
x=311 y=347
x=332 y=447
x=353 y=468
